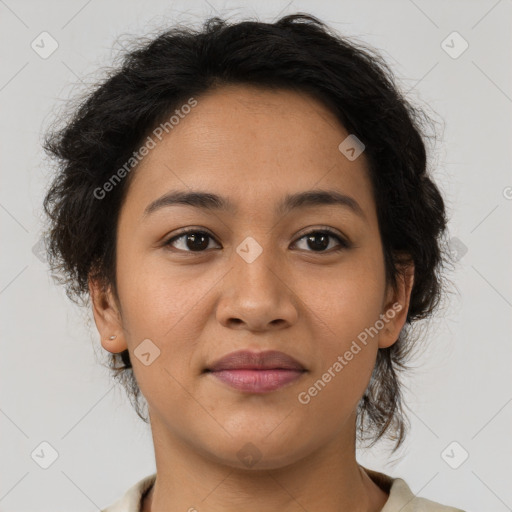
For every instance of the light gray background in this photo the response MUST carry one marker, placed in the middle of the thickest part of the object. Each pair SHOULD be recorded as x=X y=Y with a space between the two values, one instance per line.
x=53 y=387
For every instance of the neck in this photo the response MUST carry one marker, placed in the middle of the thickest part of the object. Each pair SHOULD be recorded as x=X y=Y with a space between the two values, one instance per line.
x=327 y=479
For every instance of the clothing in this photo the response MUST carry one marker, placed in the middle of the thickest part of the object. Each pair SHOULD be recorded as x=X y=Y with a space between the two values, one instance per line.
x=401 y=498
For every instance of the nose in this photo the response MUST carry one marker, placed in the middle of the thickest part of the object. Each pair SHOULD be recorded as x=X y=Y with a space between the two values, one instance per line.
x=256 y=295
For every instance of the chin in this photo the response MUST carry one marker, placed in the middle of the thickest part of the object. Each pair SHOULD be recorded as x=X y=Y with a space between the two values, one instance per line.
x=258 y=450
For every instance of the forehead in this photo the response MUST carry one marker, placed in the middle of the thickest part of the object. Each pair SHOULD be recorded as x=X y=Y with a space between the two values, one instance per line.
x=249 y=144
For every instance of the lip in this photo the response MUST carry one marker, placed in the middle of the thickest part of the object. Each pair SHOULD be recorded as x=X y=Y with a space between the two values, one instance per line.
x=257 y=372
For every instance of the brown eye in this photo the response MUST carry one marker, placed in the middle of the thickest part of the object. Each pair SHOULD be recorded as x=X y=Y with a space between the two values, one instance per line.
x=191 y=241
x=319 y=240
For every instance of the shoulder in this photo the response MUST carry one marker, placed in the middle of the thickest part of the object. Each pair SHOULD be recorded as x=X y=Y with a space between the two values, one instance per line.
x=402 y=499
x=130 y=501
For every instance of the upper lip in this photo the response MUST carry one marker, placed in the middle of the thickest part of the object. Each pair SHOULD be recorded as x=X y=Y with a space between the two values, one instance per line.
x=247 y=360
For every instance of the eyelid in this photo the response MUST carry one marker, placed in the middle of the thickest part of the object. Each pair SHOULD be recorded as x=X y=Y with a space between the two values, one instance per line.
x=328 y=229
x=191 y=229
x=185 y=231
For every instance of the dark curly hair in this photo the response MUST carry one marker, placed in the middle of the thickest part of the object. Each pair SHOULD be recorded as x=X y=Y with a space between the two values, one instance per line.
x=298 y=53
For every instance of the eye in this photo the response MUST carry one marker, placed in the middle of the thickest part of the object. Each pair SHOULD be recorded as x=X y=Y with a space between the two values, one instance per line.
x=195 y=240
x=318 y=240
x=192 y=240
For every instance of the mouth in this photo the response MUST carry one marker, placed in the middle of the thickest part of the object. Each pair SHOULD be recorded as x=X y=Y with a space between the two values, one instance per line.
x=256 y=372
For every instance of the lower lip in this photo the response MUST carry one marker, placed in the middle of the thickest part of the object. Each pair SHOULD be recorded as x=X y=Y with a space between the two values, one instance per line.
x=257 y=381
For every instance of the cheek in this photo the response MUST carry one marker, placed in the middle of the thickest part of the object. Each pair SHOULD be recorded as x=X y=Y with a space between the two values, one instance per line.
x=160 y=306
x=154 y=295
x=344 y=309
x=348 y=299
x=344 y=353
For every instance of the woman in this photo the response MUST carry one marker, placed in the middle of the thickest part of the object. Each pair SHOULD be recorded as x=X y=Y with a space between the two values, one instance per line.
x=248 y=209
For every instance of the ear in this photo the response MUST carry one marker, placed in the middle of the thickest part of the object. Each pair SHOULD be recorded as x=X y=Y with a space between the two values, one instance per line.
x=397 y=305
x=107 y=317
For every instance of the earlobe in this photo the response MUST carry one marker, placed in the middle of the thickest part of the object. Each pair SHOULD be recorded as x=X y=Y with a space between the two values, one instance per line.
x=397 y=306
x=107 y=317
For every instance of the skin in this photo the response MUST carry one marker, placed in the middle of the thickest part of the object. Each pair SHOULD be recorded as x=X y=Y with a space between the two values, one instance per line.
x=252 y=146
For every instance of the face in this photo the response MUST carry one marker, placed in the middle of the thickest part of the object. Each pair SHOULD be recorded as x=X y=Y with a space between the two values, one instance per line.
x=299 y=277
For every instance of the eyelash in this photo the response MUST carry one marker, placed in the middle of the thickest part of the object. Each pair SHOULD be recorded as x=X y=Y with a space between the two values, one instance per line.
x=344 y=244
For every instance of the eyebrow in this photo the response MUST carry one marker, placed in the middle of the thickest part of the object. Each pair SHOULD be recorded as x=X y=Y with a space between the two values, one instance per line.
x=210 y=201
